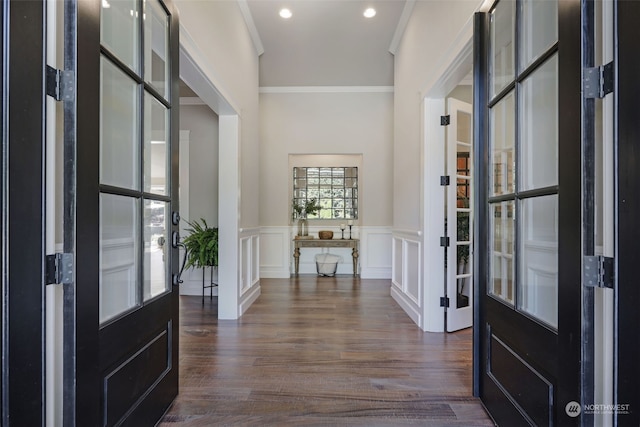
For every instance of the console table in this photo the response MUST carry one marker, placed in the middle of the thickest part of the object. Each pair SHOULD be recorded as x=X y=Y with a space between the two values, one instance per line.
x=326 y=243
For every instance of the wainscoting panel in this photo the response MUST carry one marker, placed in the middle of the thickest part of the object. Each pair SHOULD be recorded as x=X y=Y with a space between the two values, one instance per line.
x=412 y=269
x=249 y=259
x=406 y=288
x=276 y=252
x=397 y=274
x=375 y=253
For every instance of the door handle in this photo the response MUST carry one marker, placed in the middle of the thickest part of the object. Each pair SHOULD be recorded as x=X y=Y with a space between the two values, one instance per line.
x=177 y=278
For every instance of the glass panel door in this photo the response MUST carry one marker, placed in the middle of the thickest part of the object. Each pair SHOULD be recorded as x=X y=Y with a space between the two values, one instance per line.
x=459 y=167
x=123 y=316
x=134 y=156
x=528 y=150
x=523 y=145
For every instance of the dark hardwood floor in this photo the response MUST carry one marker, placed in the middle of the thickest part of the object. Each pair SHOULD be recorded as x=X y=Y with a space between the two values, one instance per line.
x=320 y=351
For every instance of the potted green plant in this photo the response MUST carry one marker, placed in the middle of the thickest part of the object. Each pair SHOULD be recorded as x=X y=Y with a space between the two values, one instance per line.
x=301 y=211
x=201 y=245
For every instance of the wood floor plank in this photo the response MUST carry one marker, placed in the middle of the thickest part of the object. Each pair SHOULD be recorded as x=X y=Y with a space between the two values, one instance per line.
x=319 y=351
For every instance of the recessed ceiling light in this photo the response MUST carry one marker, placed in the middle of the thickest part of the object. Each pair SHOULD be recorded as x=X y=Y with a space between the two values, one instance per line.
x=369 y=13
x=285 y=13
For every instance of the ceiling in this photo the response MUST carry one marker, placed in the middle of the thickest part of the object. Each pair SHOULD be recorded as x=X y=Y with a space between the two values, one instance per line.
x=326 y=42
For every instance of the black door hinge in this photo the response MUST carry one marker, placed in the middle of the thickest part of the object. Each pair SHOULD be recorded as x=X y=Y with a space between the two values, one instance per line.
x=445 y=120
x=445 y=180
x=597 y=82
x=59 y=269
x=444 y=302
x=60 y=84
x=444 y=242
x=598 y=272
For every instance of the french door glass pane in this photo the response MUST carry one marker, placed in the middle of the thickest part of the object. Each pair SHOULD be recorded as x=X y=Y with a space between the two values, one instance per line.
x=156 y=248
x=501 y=145
x=502 y=231
x=539 y=127
x=538 y=277
x=156 y=146
x=119 y=128
x=119 y=254
x=119 y=30
x=538 y=29
x=502 y=55
x=156 y=44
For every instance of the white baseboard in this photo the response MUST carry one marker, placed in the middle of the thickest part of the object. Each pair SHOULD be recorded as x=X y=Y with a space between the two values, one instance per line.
x=407 y=305
x=375 y=273
x=274 y=273
x=249 y=298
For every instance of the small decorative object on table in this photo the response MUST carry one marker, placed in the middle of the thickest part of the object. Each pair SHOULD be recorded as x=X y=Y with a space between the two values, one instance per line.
x=350 y=225
x=342 y=227
x=325 y=234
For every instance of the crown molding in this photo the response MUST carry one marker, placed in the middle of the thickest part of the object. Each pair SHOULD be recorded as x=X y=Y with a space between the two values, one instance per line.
x=251 y=26
x=326 y=89
x=402 y=26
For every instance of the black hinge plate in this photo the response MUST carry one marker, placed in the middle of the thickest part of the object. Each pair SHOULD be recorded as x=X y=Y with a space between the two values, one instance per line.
x=444 y=302
x=445 y=180
x=598 y=272
x=59 y=269
x=598 y=81
x=60 y=84
x=445 y=120
x=444 y=242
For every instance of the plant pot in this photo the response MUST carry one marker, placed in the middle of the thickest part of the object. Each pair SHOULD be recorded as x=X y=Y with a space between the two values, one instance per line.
x=303 y=227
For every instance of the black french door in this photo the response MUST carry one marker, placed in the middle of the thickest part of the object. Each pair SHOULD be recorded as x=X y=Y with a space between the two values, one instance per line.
x=627 y=291
x=22 y=195
x=528 y=136
x=121 y=316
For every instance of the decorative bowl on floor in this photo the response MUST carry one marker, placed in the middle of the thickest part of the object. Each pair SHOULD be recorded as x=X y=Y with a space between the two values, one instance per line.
x=325 y=234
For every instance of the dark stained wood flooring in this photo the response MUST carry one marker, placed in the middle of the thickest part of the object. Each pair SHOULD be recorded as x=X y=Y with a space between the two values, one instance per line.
x=320 y=351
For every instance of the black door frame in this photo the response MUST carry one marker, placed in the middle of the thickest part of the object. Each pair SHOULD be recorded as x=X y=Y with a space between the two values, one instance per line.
x=561 y=351
x=627 y=204
x=23 y=101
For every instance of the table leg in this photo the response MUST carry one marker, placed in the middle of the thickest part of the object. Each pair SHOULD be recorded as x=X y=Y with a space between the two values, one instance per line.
x=354 y=255
x=296 y=259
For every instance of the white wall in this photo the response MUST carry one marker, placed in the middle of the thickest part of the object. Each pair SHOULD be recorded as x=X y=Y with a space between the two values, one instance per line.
x=203 y=161
x=215 y=38
x=323 y=121
x=230 y=61
x=427 y=49
x=202 y=124
x=420 y=53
